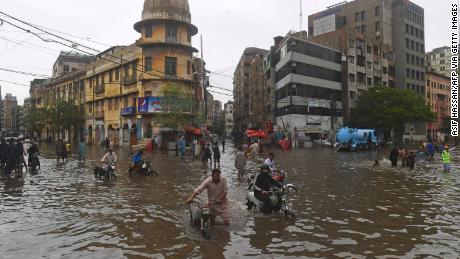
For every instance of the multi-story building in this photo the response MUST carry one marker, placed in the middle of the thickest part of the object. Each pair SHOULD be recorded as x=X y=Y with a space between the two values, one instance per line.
x=438 y=60
x=10 y=115
x=20 y=127
x=27 y=108
x=228 y=119
x=252 y=93
x=384 y=42
x=218 y=123
x=68 y=62
x=438 y=99
x=122 y=88
x=209 y=108
x=308 y=80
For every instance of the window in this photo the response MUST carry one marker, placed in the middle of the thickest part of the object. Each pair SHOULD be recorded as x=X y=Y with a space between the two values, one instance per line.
x=412 y=45
x=407 y=43
x=417 y=61
x=357 y=17
x=148 y=31
x=66 y=68
x=407 y=28
x=411 y=30
x=189 y=67
x=363 y=15
x=407 y=58
x=110 y=76
x=361 y=61
x=363 y=29
x=417 y=46
x=369 y=49
x=361 y=78
x=384 y=55
x=357 y=29
x=369 y=65
x=442 y=55
x=351 y=43
x=377 y=26
x=442 y=62
x=422 y=75
x=351 y=77
x=412 y=59
x=376 y=50
x=148 y=64
x=422 y=48
x=170 y=66
x=385 y=70
x=117 y=74
x=377 y=11
x=171 y=33
x=416 y=32
x=126 y=70
x=351 y=59
x=369 y=81
x=413 y=74
x=421 y=34
x=407 y=72
x=110 y=105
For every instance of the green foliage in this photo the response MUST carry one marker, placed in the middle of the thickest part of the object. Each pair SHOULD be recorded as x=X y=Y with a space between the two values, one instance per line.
x=36 y=120
x=64 y=115
x=177 y=105
x=384 y=107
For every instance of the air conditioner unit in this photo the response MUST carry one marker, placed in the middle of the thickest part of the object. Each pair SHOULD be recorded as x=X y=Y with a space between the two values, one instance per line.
x=377 y=34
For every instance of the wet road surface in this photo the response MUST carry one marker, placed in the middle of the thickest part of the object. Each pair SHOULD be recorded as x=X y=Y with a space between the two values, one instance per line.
x=345 y=209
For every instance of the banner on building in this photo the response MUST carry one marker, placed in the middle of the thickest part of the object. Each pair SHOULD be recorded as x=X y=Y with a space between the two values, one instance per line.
x=149 y=104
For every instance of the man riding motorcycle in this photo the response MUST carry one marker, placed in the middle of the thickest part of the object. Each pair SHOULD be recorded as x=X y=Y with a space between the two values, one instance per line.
x=137 y=161
x=263 y=184
x=109 y=159
x=33 y=152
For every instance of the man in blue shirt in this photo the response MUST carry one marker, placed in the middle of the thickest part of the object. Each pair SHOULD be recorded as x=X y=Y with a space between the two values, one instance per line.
x=430 y=150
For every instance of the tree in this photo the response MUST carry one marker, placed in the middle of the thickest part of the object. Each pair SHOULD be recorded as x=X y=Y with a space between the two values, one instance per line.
x=64 y=116
x=177 y=105
x=36 y=120
x=388 y=108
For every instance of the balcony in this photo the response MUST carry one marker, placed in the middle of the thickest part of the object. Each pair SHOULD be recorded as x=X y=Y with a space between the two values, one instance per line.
x=100 y=88
x=98 y=115
x=128 y=80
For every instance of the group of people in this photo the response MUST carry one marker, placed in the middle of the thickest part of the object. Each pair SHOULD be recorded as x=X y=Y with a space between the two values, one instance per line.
x=12 y=156
x=63 y=150
x=407 y=157
x=208 y=151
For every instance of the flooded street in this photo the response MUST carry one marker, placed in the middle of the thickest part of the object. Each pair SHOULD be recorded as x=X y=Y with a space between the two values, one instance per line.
x=344 y=208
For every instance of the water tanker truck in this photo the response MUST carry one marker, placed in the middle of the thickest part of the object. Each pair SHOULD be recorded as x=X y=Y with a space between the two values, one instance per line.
x=356 y=139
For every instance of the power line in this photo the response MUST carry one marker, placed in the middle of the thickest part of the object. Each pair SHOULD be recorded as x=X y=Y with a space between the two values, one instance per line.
x=216 y=92
x=22 y=43
x=23 y=73
x=9 y=82
x=221 y=88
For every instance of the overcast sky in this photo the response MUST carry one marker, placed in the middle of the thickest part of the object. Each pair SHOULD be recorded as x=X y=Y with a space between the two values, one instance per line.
x=227 y=26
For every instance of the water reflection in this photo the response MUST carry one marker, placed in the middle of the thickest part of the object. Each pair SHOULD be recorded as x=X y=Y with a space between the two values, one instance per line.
x=344 y=207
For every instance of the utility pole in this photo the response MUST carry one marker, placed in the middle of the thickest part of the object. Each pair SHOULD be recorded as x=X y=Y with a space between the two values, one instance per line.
x=203 y=86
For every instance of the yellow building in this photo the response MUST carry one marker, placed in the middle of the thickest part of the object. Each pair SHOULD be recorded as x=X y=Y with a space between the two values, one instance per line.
x=115 y=83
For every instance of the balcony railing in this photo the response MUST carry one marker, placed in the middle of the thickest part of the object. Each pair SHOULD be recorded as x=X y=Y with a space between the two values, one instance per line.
x=128 y=80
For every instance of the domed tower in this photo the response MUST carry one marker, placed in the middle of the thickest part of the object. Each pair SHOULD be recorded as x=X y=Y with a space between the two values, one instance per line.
x=166 y=42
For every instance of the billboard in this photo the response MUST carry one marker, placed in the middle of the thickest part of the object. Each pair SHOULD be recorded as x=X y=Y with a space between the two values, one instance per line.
x=149 y=104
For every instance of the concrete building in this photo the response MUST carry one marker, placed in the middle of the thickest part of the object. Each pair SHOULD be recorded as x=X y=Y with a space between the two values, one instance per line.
x=219 y=121
x=228 y=108
x=438 y=99
x=209 y=108
x=10 y=115
x=121 y=90
x=27 y=108
x=68 y=62
x=384 y=42
x=308 y=80
x=252 y=93
x=20 y=127
x=438 y=60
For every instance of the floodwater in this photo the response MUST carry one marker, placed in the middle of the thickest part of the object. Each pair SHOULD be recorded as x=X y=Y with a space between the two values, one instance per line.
x=344 y=207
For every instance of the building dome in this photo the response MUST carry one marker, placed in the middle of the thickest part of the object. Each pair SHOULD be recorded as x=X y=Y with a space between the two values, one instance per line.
x=178 y=10
x=167 y=10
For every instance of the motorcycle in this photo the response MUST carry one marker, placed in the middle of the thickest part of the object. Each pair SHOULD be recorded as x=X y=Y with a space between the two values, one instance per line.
x=278 y=196
x=108 y=175
x=200 y=217
x=145 y=169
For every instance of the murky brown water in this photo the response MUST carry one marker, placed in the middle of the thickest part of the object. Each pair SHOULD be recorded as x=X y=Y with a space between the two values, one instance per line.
x=344 y=209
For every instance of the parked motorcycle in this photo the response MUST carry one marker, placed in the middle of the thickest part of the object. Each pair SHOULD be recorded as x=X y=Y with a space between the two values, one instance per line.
x=146 y=169
x=108 y=175
x=278 y=196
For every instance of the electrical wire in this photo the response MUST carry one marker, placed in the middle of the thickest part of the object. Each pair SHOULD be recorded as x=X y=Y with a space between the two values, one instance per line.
x=9 y=82
x=23 y=73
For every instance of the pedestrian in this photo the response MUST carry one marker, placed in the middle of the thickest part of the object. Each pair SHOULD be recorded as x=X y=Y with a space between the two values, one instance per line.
x=20 y=153
x=3 y=150
x=411 y=159
x=430 y=150
x=394 y=157
x=60 y=150
x=155 y=142
x=254 y=150
x=177 y=146
x=207 y=155
x=107 y=143
x=182 y=147
x=197 y=153
x=446 y=159
x=68 y=151
x=403 y=155
x=240 y=162
x=223 y=144
x=82 y=151
x=216 y=155
x=11 y=157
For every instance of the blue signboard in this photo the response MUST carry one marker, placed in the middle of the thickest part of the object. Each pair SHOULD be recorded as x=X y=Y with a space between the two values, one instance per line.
x=128 y=111
x=149 y=104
